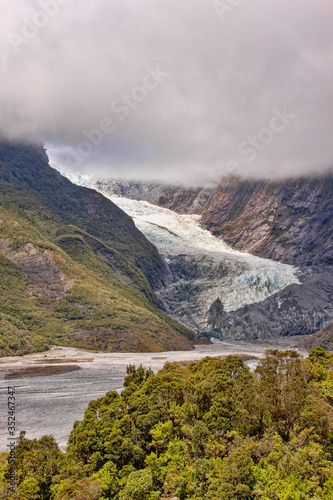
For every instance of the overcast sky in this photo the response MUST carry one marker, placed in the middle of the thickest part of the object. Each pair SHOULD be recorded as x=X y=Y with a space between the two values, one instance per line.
x=171 y=89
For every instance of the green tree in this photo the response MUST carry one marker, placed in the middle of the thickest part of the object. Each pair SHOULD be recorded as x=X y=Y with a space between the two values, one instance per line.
x=29 y=489
x=282 y=386
x=138 y=486
x=36 y=463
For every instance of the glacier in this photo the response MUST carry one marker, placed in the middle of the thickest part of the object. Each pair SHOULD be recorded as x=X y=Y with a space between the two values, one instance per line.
x=204 y=270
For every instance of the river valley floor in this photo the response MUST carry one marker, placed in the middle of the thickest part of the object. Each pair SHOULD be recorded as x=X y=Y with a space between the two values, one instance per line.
x=49 y=403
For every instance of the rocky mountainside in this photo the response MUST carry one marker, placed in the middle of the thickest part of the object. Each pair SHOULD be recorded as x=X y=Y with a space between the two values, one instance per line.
x=74 y=269
x=298 y=309
x=289 y=221
x=323 y=338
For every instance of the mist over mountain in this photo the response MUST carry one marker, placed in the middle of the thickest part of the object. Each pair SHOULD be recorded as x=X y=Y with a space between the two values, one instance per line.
x=157 y=90
x=289 y=221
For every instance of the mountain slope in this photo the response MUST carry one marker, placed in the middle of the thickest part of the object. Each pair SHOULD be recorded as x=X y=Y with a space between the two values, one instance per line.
x=298 y=309
x=74 y=268
x=27 y=184
x=289 y=221
x=323 y=338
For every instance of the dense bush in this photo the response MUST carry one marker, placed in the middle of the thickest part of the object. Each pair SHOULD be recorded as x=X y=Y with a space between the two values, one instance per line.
x=211 y=430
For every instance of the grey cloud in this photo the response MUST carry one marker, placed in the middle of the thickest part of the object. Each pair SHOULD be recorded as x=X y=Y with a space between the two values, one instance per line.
x=220 y=82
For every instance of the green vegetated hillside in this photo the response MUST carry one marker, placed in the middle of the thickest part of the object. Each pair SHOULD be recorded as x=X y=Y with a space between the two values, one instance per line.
x=74 y=270
x=209 y=430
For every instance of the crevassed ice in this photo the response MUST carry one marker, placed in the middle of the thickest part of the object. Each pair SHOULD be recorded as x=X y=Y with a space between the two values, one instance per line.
x=245 y=279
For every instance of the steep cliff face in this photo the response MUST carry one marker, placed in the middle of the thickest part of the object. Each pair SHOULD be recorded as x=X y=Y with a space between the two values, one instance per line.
x=290 y=221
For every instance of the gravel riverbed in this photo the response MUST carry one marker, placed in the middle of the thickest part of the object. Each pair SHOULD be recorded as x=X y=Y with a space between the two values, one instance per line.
x=50 y=404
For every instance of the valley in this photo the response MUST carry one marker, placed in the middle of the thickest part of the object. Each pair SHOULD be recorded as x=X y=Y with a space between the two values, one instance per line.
x=216 y=289
x=166 y=250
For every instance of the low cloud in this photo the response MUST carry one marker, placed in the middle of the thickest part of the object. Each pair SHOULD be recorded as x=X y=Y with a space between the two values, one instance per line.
x=180 y=91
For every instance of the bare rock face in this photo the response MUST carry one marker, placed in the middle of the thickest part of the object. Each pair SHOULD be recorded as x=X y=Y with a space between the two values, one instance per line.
x=298 y=309
x=289 y=221
x=215 y=314
x=323 y=338
x=46 y=276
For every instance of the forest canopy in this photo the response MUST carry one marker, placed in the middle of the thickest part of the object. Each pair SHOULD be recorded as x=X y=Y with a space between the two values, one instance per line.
x=207 y=430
